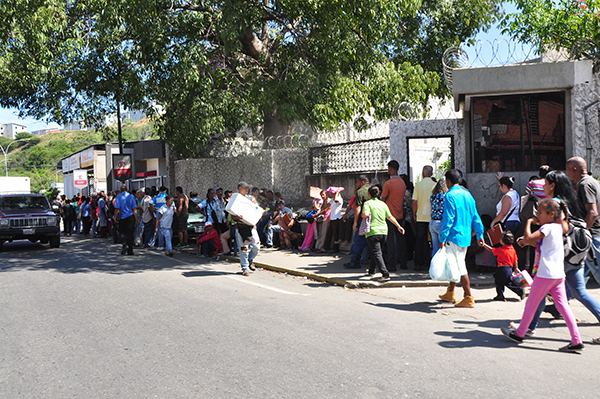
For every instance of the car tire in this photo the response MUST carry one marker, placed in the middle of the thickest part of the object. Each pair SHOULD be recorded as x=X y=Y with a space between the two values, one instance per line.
x=55 y=242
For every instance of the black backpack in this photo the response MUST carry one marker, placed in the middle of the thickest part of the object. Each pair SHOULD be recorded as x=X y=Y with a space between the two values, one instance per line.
x=578 y=242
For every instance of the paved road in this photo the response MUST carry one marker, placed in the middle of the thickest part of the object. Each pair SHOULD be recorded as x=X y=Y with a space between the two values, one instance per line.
x=83 y=321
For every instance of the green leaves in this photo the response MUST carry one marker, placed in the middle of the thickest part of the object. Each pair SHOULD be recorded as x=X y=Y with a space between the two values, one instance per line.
x=218 y=66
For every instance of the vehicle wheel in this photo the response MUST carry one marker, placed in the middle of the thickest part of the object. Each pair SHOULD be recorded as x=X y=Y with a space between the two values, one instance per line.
x=1 y=245
x=33 y=240
x=55 y=242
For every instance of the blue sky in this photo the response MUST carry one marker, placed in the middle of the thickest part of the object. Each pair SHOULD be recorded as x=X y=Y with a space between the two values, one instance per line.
x=11 y=115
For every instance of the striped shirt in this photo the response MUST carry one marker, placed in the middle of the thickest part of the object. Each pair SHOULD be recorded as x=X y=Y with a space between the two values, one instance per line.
x=536 y=187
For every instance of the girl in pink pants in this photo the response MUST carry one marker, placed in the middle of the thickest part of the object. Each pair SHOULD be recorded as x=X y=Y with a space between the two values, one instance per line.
x=551 y=274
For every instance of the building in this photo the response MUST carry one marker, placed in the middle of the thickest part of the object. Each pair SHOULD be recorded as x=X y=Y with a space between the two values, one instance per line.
x=43 y=132
x=148 y=166
x=10 y=130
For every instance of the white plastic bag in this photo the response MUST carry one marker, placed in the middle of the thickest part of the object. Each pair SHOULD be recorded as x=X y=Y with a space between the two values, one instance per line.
x=444 y=266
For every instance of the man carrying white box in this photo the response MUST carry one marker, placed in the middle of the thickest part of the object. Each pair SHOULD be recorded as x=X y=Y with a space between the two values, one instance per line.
x=246 y=211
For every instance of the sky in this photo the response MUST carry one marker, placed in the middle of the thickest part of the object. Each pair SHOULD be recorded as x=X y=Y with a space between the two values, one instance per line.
x=486 y=48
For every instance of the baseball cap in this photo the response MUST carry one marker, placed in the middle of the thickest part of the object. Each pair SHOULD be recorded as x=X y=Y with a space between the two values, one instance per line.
x=243 y=184
x=209 y=223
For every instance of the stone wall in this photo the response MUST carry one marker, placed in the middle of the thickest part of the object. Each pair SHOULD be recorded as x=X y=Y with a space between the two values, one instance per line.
x=581 y=95
x=277 y=170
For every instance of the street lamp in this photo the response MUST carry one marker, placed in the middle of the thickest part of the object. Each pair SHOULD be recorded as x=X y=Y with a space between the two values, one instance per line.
x=5 y=152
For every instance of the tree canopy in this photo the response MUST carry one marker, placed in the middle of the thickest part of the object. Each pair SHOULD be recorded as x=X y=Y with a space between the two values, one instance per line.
x=216 y=66
x=557 y=24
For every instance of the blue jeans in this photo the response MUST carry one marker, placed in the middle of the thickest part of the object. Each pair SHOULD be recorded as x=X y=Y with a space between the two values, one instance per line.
x=435 y=226
x=165 y=238
x=576 y=282
x=247 y=255
x=359 y=245
x=589 y=262
x=270 y=230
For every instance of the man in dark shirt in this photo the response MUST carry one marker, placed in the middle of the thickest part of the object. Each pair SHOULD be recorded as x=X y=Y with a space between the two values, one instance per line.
x=588 y=194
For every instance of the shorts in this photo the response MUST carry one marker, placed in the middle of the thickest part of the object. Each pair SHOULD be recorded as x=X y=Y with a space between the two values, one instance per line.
x=181 y=223
x=460 y=253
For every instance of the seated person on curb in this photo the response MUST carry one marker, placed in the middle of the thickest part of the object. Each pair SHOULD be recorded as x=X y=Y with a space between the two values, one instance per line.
x=292 y=232
x=209 y=242
x=275 y=227
x=507 y=264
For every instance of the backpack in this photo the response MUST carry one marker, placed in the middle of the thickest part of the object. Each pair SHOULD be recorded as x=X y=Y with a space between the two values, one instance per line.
x=578 y=242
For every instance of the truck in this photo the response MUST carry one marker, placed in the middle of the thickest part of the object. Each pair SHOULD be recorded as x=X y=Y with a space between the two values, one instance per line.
x=28 y=217
x=15 y=185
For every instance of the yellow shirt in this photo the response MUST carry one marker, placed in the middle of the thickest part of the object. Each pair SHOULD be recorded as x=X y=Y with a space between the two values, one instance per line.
x=422 y=195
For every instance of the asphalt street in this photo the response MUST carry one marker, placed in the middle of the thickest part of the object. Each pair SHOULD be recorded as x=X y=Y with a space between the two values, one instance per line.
x=84 y=321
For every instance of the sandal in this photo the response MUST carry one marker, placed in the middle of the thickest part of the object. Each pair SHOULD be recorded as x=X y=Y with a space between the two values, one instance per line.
x=595 y=340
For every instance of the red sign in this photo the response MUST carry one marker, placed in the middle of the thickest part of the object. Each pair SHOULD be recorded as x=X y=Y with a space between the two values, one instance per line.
x=122 y=166
x=146 y=174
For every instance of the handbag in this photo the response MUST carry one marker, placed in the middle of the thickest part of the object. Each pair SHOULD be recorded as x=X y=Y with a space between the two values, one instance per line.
x=365 y=226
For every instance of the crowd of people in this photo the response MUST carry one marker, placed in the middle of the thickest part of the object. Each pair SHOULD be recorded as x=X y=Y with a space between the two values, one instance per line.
x=387 y=225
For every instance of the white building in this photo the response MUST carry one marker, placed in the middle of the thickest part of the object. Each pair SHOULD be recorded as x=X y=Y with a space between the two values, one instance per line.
x=10 y=130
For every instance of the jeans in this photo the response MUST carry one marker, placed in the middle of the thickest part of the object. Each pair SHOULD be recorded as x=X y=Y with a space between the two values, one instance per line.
x=502 y=279
x=422 y=250
x=396 y=247
x=576 y=282
x=376 y=243
x=148 y=232
x=359 y=245
x=435 y=226
x=247 y=255
x=590 y=264
x=270 y=230
x=208 y=247
x=165 y=238
x=512 y=226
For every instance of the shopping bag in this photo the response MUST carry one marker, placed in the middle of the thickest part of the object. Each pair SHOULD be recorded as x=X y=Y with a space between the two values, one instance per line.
x=437 y=267
x=522 y=279
x=444 y=266
x=365 y=226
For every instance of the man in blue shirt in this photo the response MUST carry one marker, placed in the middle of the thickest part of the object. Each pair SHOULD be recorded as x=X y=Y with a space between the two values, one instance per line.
x=460 y=218
x=125 y=212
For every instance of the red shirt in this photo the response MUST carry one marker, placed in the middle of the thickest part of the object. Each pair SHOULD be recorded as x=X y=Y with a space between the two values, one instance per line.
x=393 y=191
x=506 y=255
x=211 y=235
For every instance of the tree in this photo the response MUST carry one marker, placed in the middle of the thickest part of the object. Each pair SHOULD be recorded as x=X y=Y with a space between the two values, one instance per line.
x=219 y=65
x=557 y=24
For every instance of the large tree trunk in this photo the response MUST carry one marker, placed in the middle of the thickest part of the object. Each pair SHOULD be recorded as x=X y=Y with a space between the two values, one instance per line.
x=274 y=126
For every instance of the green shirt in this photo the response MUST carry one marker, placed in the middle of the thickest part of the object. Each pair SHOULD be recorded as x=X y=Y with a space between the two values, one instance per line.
x=362 y=195
x=379 y=213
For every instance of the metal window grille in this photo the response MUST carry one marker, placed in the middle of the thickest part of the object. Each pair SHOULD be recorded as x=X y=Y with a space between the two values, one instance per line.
x=358 y=156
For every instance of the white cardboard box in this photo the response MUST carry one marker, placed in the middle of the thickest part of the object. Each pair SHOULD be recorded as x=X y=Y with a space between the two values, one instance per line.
x=240 y=205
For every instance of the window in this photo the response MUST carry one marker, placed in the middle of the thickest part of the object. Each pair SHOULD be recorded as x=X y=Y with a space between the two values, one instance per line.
x=518 y=132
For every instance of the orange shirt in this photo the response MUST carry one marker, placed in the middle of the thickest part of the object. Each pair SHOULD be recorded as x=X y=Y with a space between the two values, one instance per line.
x=393 y=191
x=506 y=255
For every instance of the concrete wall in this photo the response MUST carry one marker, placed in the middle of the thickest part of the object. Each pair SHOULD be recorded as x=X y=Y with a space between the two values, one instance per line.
x=401 y=131
x=277 y=170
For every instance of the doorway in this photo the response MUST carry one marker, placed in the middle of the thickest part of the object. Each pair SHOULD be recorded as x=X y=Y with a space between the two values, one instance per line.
x=434 y=151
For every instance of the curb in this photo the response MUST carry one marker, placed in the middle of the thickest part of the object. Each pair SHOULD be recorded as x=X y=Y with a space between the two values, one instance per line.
x=354 y=284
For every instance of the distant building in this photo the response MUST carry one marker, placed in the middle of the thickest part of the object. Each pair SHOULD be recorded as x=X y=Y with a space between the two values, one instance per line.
x=10 y=130
x=43 y=132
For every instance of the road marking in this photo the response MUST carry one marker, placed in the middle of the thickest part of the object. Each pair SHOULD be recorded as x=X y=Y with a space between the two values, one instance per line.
x=246 y=281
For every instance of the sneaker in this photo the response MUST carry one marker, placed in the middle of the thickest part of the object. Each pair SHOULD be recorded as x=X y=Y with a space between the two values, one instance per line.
x=383 y=279
x=511 y=335
x=572 y=348
x=268 y=246
x=169 y=254
x=251 y=266
x=123 y=250
x=467 y=302
x=245 y=273
x=160 y=248
x=513 y=327
x=201 y=256
x=448 y=297
x=499 y=299
x=351 y=266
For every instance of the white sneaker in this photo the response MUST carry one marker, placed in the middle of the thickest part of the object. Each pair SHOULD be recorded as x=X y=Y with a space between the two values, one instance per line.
x=160 y=248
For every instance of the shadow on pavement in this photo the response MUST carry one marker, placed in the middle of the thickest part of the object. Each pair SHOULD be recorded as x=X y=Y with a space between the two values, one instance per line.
x=206 y=273
x=423 y=307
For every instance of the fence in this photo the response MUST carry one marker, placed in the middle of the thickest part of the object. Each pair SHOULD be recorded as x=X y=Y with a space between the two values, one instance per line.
x=358 y=156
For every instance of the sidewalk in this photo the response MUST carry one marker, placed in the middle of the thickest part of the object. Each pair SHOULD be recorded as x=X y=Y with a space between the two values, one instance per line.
x=329 y=268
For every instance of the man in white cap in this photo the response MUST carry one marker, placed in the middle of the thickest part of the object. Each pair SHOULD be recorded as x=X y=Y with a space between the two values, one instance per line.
x=249 y=244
